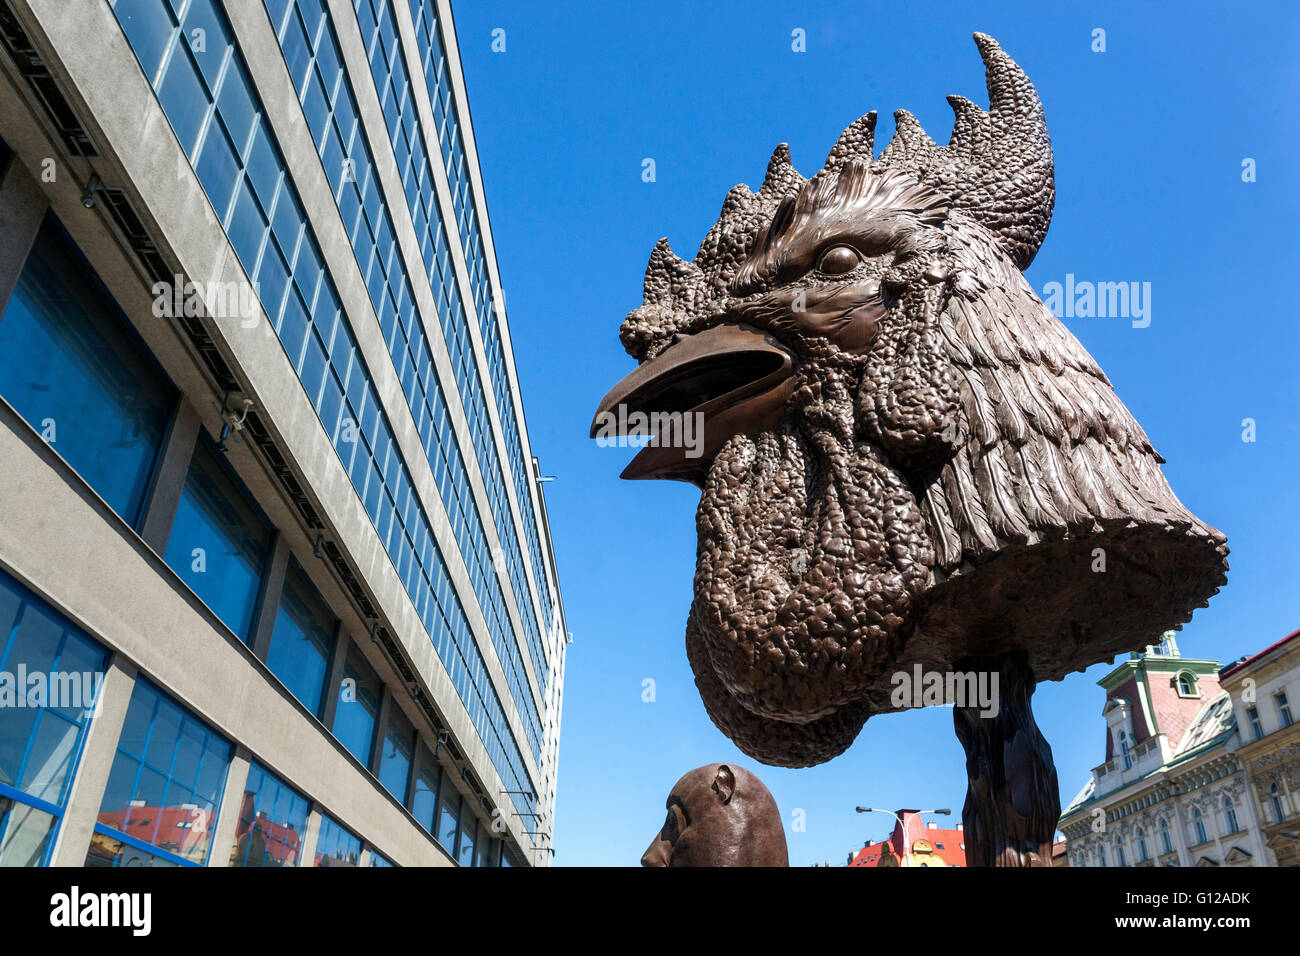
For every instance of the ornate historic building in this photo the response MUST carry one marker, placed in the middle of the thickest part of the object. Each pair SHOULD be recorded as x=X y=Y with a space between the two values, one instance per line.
x=1173 y=789
x=1263 y=689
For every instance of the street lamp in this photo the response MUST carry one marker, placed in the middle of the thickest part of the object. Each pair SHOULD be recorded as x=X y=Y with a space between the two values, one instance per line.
x=907 y=856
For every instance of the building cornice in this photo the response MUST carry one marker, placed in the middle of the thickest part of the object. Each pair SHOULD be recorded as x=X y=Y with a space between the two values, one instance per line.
x=1200 y=767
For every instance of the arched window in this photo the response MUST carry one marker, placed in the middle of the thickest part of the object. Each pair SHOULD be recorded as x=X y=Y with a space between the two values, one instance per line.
x=1143 y=854
x=1101 y=855
x=1166 y=844
x=1124 y=749
x=1120 y=859
x=1187 y=685
x=1198 y=825
x=1275 y=800
x=1230 y=814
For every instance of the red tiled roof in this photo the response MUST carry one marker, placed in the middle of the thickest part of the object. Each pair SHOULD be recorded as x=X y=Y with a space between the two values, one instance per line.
x=947 y=844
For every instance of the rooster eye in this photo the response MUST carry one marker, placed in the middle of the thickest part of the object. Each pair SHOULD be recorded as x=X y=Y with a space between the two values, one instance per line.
x=838 y=260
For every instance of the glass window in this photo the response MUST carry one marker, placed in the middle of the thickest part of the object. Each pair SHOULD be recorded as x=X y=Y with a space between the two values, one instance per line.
x=378 y=859
x=358 y=708
x=425 y=805
x=449 y=819
x=247 y=225
x=1166 y=844
x=26 y=833
x=297 y=51
x=448 y=627
x=293 y=327
x=218 y=169
x=1256 y=727
x=483 y=848
x=43 y=718
x=302 y=642
x=206 y=38
x=219 y=540
x=106 y=850
x=395 y=760
x=273 y=279
x=1198 y=826
x=275 y=10
x=184 y=98
x=264 y=170
x=335 y=846
x=272 y=820
x=73 y=367
x=1283 y=708
x=148 y=26
x=1230 y=814
x=235 y=104
x=468 y=824
x=165 y=787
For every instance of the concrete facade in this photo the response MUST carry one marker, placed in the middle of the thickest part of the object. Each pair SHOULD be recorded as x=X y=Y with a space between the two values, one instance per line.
x=63 y=543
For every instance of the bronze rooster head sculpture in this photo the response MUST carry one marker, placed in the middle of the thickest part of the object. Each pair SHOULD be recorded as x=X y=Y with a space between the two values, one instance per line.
x=905 y=458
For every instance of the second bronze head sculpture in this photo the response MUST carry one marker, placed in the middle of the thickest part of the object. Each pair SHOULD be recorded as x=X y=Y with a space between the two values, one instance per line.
x=719 y=815
x=907 y=458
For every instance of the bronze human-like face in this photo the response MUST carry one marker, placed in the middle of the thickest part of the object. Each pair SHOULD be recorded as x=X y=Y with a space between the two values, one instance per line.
x=718 y=815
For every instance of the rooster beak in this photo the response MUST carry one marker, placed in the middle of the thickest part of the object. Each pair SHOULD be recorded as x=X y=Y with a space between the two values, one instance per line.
x=694 y=396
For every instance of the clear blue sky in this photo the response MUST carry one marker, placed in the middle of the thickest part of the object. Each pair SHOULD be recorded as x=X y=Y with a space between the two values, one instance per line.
x=1149 y=139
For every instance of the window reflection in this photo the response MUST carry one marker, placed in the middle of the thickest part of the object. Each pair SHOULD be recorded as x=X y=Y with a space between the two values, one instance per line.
x=449 y=820
x=42 y=725
x=165 y=787
x=264 y=218
x=219 y=540
x=335 y=846
x=272 y=820
x=25 y=833
x=302 y=641
x=395 y=760
x=425 y=805
x=73 y=367
x=465 y=852
x=358 y=707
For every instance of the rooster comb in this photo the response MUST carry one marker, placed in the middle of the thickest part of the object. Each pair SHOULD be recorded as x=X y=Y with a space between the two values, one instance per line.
x=996 y=168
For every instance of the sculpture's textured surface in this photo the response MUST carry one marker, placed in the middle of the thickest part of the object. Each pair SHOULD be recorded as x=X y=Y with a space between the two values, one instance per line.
x=909 y=459
x=719 y=815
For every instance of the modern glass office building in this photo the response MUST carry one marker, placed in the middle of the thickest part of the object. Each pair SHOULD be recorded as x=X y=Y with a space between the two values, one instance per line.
x=276 y=581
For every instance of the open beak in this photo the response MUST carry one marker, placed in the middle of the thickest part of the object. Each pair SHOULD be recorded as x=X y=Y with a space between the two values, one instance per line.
x=694 y=396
